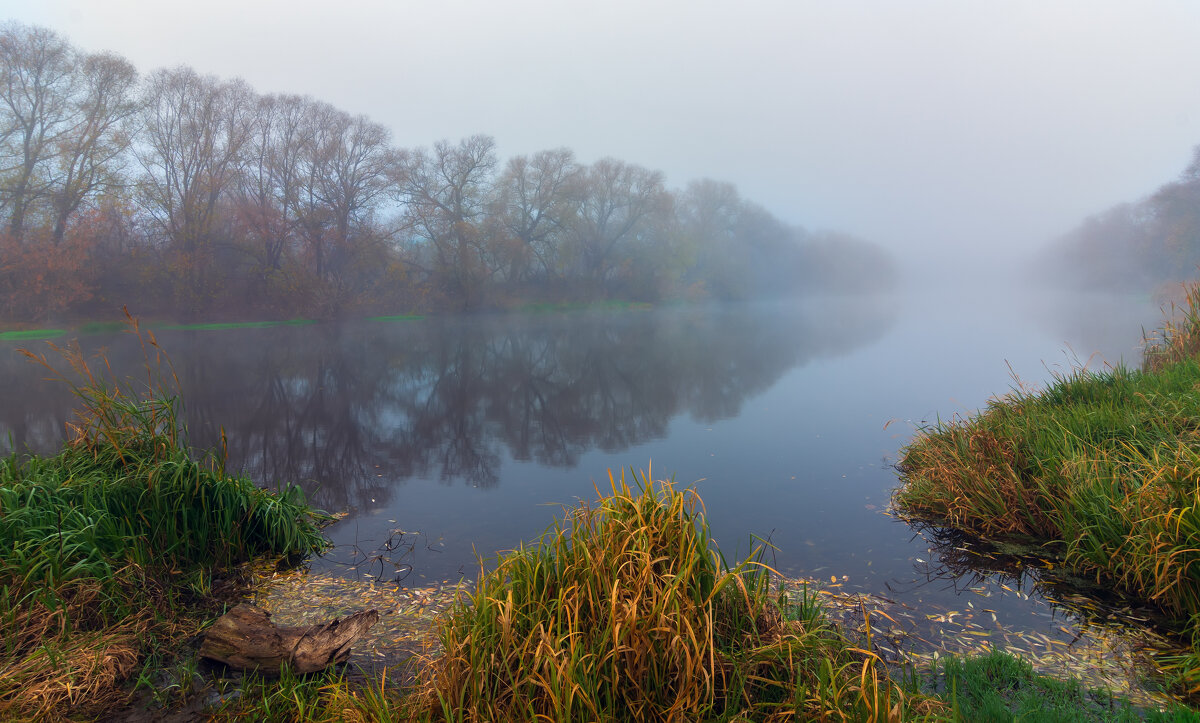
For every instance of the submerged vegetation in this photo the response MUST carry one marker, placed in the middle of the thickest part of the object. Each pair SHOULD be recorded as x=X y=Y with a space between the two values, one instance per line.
x=1105 y=466
x=1001 y=687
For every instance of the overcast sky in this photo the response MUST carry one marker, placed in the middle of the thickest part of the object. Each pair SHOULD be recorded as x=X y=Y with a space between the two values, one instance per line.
x=929 y=127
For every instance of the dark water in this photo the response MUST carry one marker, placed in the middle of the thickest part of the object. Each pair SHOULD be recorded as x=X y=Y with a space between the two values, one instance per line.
x=442 y=439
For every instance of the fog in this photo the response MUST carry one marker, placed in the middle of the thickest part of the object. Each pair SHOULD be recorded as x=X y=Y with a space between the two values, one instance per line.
x=960 y=135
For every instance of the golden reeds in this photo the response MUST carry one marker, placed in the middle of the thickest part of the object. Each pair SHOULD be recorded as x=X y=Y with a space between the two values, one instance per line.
x=627 y=611
x=1106 y=465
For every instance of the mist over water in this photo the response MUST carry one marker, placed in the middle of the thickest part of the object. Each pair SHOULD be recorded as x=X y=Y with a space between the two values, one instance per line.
x=449 y=438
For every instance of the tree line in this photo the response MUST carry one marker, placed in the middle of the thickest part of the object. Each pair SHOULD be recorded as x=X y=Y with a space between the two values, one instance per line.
x=188 y=195
x=1136 y=246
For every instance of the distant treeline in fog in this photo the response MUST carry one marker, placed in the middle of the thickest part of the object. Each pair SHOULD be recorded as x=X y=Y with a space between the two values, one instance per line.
x=1136 y=246
x=187 y=195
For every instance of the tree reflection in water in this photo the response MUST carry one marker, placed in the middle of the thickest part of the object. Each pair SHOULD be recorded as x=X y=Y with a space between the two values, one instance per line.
x=350 y=409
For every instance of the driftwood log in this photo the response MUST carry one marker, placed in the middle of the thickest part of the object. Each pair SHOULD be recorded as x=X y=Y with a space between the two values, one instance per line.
x=245 y=638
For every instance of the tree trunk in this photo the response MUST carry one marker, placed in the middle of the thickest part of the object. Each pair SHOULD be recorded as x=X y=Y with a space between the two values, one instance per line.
x=245 y=638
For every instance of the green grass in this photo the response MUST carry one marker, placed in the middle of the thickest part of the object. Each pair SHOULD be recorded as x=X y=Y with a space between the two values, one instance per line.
x=102 y=327
x=109 y=549
x=1000 y=687
x=238 y=325
x=1104 y=465
x=329 y=697
x=22 y=334
x=626 y=610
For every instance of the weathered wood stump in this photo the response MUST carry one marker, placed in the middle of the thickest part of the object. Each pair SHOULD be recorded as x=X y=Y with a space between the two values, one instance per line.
x=245 y=638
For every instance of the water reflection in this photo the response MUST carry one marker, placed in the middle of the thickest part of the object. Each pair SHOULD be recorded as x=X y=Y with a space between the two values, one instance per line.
x=962 y=562
x=349 y=410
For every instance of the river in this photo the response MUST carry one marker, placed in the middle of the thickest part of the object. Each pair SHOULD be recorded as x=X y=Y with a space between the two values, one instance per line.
x=443 y=439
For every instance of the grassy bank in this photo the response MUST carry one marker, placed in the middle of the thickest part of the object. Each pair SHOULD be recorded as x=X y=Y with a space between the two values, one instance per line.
x=1002 y=687
x=27 y=334
x=110 y=551
x=112 y=554
x=1105 y=466
x=624 y=610
x=117 y=551
x=627 y=610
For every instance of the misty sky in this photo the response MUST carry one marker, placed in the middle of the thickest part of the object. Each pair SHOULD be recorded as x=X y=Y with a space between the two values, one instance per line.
x=932 y=128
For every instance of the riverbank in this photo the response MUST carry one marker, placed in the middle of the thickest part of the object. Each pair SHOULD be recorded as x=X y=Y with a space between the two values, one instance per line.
x=556 y=623
x=775 y=647
x=121 y=546
x=29 y=331
x=1100 y=468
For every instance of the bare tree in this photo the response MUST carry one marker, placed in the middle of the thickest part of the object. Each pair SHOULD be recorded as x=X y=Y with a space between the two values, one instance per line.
x=620 y=206
x=350 y=165
x=37 y=81
x=269 y=186
x=446 y=191
x=537 y=199
x=90 y=152
x=194 y=128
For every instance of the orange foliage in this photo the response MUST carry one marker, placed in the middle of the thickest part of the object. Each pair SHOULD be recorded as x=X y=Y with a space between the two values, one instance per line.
x=40 y=279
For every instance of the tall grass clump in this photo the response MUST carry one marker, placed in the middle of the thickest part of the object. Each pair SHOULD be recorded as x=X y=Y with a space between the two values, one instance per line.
x=1106 y=465
x=1179 y=337
x=112 y=543
x=626 y=610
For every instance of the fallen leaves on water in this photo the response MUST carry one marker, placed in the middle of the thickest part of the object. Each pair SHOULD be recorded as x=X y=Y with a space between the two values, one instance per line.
x=407 y=615
x=1116 y=655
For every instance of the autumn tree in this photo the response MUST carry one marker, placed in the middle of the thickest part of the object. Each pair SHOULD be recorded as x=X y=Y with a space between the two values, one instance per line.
x=708 y=216
x=187 y=188
x=91 y=153
x=536 y=203
x=621 y=205
x=1173 y=218
x=446 y=192
x=37 y=83
x=350 y=163
x=1134 y=245
x=267 y=207
x=194 y=128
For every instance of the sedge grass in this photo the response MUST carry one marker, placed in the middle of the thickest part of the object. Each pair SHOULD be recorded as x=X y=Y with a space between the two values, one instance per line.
x=1179 y=337
x=111 y=546
x=1105 y=465
x=329 y=697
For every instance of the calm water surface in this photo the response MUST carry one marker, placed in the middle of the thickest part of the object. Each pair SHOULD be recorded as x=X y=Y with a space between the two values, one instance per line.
x=444 y=439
